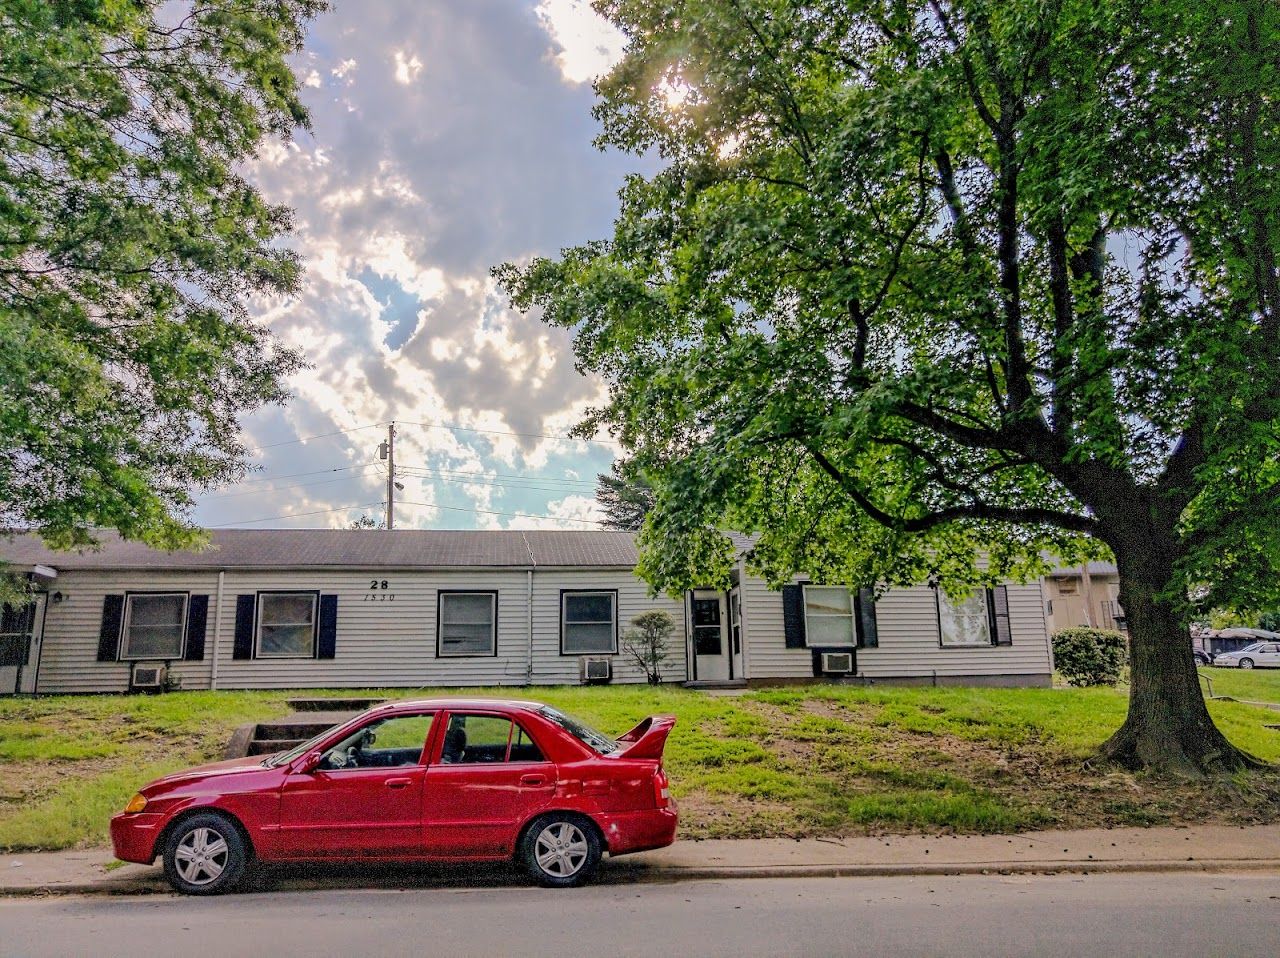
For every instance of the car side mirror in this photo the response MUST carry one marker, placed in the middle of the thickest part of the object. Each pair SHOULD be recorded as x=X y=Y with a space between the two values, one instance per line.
x=310 y=763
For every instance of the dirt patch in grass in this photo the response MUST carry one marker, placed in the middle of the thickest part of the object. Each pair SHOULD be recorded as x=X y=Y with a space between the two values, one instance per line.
x=960 y=782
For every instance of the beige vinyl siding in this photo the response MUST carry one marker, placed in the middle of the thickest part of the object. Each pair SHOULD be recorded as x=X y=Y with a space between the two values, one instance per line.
x=69 y=650
x=385 y=638
x=550 y=667
x=908 y=638
x=909 y=642
x=765 y=637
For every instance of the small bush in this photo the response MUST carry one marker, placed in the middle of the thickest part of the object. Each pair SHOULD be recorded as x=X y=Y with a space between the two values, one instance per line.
x=1090 y=656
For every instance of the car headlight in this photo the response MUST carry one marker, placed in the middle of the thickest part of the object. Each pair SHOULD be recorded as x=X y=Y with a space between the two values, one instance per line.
x=136 y=804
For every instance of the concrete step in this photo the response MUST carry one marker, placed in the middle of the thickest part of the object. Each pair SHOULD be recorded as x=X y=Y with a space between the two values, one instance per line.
x=333 y=705
x=269 y=746
x=283 y=733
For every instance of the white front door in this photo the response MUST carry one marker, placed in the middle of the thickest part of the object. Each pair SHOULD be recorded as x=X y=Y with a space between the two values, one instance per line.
x=708 y=619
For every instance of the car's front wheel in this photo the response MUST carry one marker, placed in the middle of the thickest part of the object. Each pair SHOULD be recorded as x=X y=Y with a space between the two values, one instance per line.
x=1246 y=663
x=560 y=850
x=204 y=855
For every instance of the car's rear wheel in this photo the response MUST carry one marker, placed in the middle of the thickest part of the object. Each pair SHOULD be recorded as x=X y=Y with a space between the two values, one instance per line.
x=204 y=855
x=560 y=850
x=1246 y=663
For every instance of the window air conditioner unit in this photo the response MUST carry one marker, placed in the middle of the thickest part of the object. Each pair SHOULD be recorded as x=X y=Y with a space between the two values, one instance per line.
x=595 y=669
x=148 y=675
x=837 y=662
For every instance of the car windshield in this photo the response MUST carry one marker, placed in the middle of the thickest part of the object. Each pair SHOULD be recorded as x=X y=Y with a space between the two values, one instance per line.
x=583 y=733
x=1250 y=648
x=283 y=758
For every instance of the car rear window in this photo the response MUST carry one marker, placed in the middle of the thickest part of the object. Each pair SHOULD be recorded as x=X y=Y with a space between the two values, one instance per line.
x=585 y=734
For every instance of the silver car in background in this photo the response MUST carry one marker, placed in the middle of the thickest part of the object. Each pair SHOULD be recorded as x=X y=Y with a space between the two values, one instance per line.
x=1260 y=655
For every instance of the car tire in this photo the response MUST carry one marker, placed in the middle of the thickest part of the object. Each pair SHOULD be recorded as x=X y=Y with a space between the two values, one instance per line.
x=560 y=850
x=204 y=855
x=1246 y=663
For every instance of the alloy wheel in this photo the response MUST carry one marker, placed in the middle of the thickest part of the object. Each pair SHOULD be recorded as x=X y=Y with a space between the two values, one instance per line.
x=201 y=856
x=561 y=849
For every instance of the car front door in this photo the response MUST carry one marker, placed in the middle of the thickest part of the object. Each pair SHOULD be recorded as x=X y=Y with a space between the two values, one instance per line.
x=1269 y=656
x=489 y=776
x=364 y=798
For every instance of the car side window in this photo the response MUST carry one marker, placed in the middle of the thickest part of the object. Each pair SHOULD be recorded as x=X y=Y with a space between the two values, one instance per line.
x=486 y=739
x=391 y=742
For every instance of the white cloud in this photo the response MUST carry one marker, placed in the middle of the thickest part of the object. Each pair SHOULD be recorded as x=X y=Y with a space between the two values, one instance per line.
x=406 y=192
x=407 y=68
x=589 y=44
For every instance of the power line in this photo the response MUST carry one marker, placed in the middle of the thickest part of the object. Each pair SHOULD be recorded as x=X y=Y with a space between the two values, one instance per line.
x=501 y=475
x=291 y=485
x=492 y=512
x=528 y=486
x=295 y=515
x=504 y=432
x=323 y=435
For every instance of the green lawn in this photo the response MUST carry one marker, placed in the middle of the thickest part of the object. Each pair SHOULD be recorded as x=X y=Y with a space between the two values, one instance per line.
x=1256 y=685
x=822 y=760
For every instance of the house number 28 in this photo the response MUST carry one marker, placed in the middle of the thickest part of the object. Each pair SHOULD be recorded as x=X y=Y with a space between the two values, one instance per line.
x=378 y=591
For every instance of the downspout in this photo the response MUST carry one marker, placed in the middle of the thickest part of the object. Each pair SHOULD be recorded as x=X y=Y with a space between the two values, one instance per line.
x=533 y=564
x=217 y=631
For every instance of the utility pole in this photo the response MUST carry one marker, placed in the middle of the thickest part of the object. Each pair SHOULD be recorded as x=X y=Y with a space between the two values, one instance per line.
x=388 y=452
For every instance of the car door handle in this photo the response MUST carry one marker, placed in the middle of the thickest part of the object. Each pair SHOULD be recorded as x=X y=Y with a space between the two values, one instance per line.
x=533 y=780
x=398 y=782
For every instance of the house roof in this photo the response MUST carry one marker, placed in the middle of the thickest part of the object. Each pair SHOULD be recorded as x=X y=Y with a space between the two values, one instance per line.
x=344 y=548
x=1095 y=568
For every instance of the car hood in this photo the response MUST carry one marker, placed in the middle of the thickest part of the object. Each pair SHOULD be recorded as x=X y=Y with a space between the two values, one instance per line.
x=250 y=763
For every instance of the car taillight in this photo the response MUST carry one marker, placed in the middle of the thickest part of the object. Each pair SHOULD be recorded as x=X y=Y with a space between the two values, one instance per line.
x=661 y=789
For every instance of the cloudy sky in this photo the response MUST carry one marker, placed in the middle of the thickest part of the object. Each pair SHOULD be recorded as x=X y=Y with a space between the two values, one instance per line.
x=447 y=137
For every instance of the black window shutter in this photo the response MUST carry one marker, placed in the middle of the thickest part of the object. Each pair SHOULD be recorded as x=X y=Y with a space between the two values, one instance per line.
x=197 y=618
x=327 y=642
x=109 y=634
x=793 y=615
x=242 y=647
x=998 y=603
x=865 y=609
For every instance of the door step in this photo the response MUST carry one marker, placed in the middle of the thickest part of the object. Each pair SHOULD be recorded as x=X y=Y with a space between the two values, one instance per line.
x=716 y=684
x=282 y=734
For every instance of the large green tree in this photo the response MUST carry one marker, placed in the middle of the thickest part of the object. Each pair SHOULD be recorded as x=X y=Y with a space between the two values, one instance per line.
x=926 y=289
x=132 y=250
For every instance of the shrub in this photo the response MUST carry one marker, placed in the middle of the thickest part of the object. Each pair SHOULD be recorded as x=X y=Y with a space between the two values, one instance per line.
x=1090 y=656
x=647 y=642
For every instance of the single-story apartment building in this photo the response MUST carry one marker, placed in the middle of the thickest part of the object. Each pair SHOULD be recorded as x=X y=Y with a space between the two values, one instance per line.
x=302 y=608
x=1085 y=595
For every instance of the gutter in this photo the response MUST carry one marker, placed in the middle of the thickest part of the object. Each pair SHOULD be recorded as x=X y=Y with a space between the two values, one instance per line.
x=217 y=631
x=533 y=564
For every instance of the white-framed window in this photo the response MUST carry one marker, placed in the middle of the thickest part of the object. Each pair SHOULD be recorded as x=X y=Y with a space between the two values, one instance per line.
x=468 y=624
x=589 y=622
x=154 y=625
x=964 y=622
x=286 y=625
x=828 y=616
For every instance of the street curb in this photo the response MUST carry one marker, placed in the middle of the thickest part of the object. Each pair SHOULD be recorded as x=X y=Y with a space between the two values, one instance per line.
x=658 y=875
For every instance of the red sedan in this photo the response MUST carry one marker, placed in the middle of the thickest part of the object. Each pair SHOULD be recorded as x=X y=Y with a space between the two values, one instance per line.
x=441 y=780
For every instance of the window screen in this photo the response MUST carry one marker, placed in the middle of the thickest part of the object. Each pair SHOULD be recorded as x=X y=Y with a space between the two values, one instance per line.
x=964 y=621
x=589 y=622
x=286 y=624
x=154 y=625
x=467 y=623
x=828 y=615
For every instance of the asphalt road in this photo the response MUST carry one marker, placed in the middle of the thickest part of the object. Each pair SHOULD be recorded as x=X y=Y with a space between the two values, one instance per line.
x=1154 y=914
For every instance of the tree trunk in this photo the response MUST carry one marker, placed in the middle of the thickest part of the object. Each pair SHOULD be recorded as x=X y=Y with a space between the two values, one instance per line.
x=1168 y=729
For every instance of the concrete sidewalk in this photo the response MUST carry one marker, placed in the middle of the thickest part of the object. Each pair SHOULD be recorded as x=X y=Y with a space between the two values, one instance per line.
x=1199 y=848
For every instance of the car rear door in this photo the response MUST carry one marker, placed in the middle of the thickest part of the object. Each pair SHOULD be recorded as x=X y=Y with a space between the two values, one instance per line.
x=371 y=807
x=487 y=777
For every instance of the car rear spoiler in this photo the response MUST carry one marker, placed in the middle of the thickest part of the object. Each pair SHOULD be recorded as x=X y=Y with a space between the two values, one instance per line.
x=647 y=739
